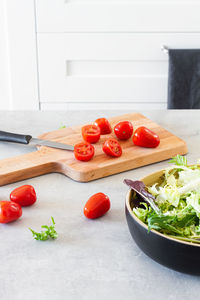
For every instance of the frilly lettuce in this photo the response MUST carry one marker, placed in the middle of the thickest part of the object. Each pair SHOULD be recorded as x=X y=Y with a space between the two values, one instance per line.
x=194 y=201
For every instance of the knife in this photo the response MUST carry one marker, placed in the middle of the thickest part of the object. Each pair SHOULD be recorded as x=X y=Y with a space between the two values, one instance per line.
x=27 y=139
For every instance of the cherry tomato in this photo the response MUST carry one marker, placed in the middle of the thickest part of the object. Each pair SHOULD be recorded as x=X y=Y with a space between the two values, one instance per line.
x=96 y=206
x=123 y=130
x=83 y=151
x=144 y=137
x=91 y=133
x=112 y=147
x=9 y=211
x=104 y=125
x=24 y=195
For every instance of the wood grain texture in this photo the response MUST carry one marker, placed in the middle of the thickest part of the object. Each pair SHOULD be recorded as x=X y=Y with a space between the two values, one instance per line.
x=47 y=160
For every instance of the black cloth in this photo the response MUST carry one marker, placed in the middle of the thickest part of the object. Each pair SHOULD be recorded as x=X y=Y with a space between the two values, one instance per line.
x=184 y=79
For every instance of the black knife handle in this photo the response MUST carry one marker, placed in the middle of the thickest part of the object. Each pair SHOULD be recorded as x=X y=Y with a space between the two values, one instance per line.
x=14 y=137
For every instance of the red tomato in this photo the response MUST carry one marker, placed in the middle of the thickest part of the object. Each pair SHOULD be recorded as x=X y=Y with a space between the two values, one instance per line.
x=144 y=137
x=112 y=147
x=91 y=133
x=104 y=125
x=24 y=195
x=9 y=211
x=83 y=151
x=96 y=206
x=123 y=130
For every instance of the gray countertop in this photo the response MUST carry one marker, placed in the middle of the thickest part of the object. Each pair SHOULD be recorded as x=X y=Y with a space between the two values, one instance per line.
x=91 y=259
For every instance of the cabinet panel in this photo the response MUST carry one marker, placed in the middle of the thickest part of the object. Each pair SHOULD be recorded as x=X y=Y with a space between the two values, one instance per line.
x=106 y=67
x=90 y=67
x=117 y=16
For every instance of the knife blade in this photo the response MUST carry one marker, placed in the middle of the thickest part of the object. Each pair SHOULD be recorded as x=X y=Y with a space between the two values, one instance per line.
x=28 y=139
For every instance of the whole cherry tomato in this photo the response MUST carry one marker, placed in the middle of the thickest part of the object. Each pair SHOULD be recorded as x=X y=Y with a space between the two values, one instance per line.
x=83 y=151
x=96 y=206
x=24 y=195
x=9 y=211
x=112 y=148
x=144 y=137
x=104 y=125
x=91 y=133
x=123 y=130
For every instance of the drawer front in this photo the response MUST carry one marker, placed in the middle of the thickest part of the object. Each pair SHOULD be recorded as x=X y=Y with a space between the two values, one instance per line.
x=117 y=16
x=110 y=67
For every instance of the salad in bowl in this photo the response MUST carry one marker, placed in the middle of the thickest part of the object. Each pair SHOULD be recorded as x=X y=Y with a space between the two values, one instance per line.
x=177 y=196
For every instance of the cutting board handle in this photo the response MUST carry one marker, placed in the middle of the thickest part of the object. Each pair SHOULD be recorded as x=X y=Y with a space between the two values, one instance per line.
x=25 y=166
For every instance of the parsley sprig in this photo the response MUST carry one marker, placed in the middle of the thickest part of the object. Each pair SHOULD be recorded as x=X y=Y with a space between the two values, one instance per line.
x=62 y=126
x=49 y=233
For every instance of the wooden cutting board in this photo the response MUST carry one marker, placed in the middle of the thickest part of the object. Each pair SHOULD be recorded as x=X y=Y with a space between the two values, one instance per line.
x=46 y=160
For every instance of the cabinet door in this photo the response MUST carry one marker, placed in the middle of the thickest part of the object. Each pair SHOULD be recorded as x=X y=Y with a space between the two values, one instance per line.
x=117 y=16
x=102 y=68
x=89 y=67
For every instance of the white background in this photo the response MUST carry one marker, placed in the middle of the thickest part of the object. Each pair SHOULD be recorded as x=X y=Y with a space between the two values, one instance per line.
x=91 y=54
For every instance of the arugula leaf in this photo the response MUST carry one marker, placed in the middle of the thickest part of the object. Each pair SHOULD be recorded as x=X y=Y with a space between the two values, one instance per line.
x=179 y=160
x=187 y=219
x=163 y=223
x=50 y=232
x=172 y=224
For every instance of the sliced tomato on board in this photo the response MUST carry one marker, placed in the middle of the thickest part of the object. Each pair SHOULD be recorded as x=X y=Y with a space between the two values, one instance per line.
x=24 y=195
x=144 y=137
x=112 y=148
x=123 y=130
x=91 y=133
x=83 y=151
x=104 y=125
x=96 y=206
x=9 y=211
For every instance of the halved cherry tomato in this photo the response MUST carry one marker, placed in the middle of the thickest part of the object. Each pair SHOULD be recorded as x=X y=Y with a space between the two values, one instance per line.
x=9 y=211
x=144 y=137
x=96 y=206
x=91 y=133
x=104 y=125
x=123 y=130
x=83 y=151
x=112 y=147
x=24 y=195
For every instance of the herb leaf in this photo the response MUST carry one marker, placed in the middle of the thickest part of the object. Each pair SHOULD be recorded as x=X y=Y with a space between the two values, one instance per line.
x=172 y=224
x=50 y=232
x=62 y=126
x=161 y=222
x=179 y=160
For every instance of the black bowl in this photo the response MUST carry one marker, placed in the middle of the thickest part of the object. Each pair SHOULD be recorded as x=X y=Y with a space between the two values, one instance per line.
x=175 y=254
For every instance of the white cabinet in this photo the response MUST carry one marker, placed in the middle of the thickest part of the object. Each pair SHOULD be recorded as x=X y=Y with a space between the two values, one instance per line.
x=86 y=67
x=108 y=53
x=80 y=54
x=117 y=16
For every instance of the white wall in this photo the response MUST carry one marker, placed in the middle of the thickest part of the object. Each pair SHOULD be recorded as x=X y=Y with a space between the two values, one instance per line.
x=94 y=54
x=18 y=56
x=4 y=62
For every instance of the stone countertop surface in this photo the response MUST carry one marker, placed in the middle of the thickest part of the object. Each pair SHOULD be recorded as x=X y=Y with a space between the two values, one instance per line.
x=91 y=259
